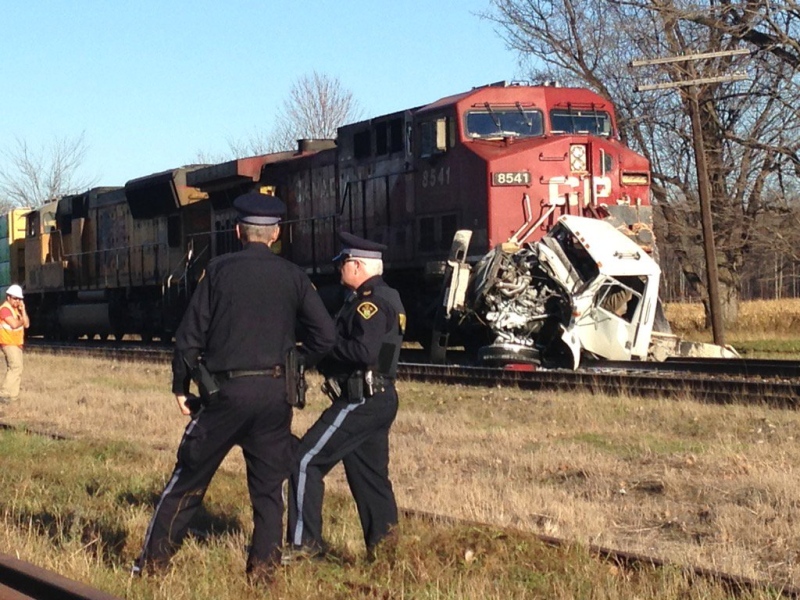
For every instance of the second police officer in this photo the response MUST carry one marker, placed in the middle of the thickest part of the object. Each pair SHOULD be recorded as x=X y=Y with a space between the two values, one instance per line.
x=360 y=374
x=241 y=320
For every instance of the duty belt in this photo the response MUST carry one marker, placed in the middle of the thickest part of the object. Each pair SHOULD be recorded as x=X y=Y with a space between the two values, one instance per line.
x=356 y=386
x=377 y=379
x=276 y=371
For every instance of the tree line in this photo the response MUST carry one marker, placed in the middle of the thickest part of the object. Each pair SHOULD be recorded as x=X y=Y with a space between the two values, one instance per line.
x=750 y=127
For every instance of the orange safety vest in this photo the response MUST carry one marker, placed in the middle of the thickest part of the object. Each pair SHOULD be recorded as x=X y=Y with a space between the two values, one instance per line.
x=11 y=336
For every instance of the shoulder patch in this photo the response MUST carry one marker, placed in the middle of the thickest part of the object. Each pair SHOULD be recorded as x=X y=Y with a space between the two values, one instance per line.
x=367 y=310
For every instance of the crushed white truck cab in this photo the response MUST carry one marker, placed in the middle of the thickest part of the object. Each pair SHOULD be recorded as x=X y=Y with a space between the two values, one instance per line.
x=584 y=290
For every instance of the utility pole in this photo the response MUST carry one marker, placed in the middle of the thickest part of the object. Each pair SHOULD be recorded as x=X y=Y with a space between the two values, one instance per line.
x=701 y=167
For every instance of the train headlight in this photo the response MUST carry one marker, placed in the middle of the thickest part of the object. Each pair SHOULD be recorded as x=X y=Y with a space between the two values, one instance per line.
x=629 y=178
x=577 y=158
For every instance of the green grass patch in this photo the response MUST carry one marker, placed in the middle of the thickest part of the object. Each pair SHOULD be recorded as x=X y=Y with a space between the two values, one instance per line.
x=627 y=448
x=789 y=347
x=663 y=446
x=81 y=507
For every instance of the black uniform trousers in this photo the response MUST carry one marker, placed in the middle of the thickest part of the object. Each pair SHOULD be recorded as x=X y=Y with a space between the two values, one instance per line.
x=357 y=434
x=251 y=412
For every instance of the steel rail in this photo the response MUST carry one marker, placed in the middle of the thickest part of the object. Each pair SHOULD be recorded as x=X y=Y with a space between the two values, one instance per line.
x=722 y=381
x=748 y=367
x=776 y=392
x=23 y=580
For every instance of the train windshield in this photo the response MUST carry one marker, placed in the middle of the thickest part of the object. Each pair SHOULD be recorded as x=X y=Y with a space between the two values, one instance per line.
x=494 y=122
x=593 y=122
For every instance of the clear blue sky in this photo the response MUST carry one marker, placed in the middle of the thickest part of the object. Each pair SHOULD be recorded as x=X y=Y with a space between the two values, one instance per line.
x=152 y=83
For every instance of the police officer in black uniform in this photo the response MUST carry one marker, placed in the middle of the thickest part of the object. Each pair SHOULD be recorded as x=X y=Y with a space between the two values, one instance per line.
x=241 y=323
x=359 y=378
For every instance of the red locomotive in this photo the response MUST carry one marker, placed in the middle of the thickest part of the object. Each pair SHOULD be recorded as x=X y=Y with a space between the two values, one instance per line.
x=504 y=161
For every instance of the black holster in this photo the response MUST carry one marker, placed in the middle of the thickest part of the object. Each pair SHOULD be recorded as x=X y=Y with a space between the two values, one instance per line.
x=295 y=379
x=348 y=388
x=363 y=385
x=207 y=386
x=355 y=387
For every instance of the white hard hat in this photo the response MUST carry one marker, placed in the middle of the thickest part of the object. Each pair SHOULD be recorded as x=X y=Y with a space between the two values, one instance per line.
x=15 y=291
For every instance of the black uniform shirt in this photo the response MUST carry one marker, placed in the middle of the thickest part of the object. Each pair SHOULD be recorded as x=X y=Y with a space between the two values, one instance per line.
x=243 y=315
x=362 y=326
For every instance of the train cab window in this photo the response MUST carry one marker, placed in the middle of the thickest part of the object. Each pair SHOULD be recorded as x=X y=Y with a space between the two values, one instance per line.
x=362 y=144
x=491 y=122
x=433 y=137
x=389 y=137
x=48 y=221
x=608 y=162
x=32 y=221
x=593 y=122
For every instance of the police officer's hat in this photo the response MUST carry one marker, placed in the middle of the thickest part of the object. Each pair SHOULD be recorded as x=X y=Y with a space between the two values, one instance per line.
x=356 y=247
x=255 y=208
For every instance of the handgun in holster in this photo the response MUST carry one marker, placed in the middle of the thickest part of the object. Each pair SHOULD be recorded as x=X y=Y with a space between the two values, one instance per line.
x=295 y=379
x=332 y=389
x=351 y=388
x=369 y=383
x=207 y=386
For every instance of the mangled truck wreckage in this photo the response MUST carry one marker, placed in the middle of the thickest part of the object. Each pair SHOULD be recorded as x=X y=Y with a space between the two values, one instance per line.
x=584 y=290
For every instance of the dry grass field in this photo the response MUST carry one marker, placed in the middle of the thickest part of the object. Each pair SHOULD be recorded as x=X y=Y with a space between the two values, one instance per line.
x=757 y=318
x=714 y=486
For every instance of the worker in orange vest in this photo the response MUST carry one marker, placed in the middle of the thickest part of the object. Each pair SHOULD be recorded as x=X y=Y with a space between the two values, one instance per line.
x=13 y=322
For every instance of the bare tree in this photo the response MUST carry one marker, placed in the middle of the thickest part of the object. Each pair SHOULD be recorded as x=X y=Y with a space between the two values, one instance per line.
x=751 y=128
x=316 y=107
x=31 y=177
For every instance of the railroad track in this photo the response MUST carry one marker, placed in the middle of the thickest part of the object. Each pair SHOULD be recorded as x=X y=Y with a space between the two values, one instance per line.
x=706 y=387
x=20 y=580
x=725 y=381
